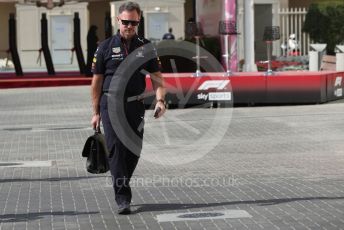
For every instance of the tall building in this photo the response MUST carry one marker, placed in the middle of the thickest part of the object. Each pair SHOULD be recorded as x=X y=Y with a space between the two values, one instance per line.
x=158 y=17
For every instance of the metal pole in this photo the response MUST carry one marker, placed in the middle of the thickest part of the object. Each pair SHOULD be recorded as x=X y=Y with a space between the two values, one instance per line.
x=249 y=36
x=269 y=49
x=198 y=57
x=227 y=55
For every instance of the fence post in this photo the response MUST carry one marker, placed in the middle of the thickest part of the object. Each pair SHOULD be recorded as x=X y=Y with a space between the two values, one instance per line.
x=291 y=22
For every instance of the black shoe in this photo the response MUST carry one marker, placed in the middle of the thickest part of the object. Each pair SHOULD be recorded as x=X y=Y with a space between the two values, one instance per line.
x=124 y=210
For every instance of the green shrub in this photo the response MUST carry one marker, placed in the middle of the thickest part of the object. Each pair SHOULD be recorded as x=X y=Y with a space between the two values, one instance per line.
x=324 y=3
x=325 y=24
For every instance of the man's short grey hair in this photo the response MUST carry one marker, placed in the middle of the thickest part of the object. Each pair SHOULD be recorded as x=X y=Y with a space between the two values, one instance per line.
x=130 y=6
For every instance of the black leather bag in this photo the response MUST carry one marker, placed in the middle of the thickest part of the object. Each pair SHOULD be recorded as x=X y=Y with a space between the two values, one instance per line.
x=97 y=153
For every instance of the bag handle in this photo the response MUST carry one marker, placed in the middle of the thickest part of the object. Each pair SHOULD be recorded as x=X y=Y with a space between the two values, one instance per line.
x=97 y=128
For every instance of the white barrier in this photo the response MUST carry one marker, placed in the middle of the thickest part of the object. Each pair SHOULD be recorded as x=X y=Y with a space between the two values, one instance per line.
x=313 y=61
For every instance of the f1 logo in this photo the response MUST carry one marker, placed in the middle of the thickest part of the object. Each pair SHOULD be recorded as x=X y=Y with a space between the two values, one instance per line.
x=213 y=84
x=338 y=81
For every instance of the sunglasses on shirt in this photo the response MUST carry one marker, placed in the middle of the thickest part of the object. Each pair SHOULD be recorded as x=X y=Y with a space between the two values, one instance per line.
x=127 y=22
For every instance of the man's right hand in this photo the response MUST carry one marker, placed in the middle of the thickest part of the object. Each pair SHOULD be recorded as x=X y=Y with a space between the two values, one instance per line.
x=95 y=122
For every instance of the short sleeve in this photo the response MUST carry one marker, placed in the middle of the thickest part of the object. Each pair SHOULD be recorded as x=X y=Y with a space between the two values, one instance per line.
x=98 y=65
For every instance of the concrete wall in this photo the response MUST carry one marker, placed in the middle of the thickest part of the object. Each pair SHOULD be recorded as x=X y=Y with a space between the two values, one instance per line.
x=173 y=8
x=284 y=3
x=97 y=12
x=5 y=10
x=276 y=5
x=299 y=3
x=29 y=34
x=188 y=9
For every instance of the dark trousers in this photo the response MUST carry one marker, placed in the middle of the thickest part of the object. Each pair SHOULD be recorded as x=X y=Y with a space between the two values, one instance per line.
x=122 y=161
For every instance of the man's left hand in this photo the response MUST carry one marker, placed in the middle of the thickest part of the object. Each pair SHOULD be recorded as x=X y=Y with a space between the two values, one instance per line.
x=162 y=107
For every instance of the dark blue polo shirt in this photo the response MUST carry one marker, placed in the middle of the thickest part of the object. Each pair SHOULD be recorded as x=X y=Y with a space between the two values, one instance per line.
x=168 y=36
x=110 y=54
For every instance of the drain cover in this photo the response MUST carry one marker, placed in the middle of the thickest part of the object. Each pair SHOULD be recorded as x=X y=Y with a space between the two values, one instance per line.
x=201 y=215
x=221 y=214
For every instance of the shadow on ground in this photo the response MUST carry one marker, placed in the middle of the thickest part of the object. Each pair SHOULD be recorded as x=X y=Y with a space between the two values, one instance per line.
x=173 y=207
x=8 y=218
x=52 y=179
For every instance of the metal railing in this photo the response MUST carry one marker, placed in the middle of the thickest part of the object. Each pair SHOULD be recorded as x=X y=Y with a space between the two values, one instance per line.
x=291 y=22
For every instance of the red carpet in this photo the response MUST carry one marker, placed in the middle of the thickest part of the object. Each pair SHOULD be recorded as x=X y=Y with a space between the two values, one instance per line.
x=41 y=79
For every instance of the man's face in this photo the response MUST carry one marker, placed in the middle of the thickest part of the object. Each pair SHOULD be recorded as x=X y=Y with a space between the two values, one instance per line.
x=128 y=21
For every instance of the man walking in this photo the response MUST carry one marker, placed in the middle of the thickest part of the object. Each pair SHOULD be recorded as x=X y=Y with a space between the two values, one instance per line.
x=108 y=57
x=169 y=35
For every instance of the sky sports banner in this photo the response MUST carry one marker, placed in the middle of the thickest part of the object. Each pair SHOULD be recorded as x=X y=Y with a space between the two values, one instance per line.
x=209 y=17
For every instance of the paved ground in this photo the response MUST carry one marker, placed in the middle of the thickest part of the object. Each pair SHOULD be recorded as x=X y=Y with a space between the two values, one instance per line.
x=283 y=166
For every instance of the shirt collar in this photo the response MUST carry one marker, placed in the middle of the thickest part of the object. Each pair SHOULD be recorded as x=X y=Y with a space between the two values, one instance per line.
x=124 y=40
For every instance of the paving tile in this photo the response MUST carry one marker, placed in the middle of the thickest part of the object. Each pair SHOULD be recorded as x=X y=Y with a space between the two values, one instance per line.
x=283 y=165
